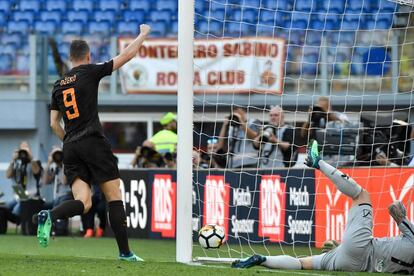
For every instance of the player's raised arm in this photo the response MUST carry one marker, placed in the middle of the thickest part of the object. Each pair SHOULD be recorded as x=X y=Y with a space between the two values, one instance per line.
x=55 y=118
x=129 y=52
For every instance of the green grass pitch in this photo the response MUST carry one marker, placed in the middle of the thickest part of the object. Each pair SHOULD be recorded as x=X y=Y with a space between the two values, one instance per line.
x=21 y=255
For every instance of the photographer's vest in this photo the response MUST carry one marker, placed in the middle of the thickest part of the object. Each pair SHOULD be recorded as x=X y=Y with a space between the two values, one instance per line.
x=241 y=150
x=271 y=155
x=165 y=141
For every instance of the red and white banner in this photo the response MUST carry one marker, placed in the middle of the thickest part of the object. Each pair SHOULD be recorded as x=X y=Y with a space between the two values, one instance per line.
x=238 y=65
x=272 y=208
x=163 y=205
x=383 y=185
x=216 y=202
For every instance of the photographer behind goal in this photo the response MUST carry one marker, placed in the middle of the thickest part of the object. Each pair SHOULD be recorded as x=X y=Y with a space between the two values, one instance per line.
x=25 y=173
x=274 y=141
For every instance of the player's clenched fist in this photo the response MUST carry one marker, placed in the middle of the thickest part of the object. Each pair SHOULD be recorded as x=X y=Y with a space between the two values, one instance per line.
x=144 y=29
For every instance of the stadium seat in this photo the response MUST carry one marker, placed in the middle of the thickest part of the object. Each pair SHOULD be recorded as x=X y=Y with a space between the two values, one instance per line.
x=246 y=16
x=351 y=25
x=358 y=6
x=158 y=29
x=82 y=16
x=212 y=27
x=236 y=29
x=56 y=5
x=219 y=15
x=29 y=5
x=140 y=5
x=174 y=29
x=127 y=28
x=48 y=27
x=54 y=16
x=106 y=5
x=16 y=39
x=267 y=17
x=164 y=16
x=5 y=5
x=313 y=38
x=8 y=49
x=265 y=30
x=342 y=38
x=199 y=6
x=72 y=27
x=23 y=16
x=5 y=64
x=21 y=27
x=83 y=5
x=279 y=5
x=384 y=16
x=251 y=3
x=169 y=5
x=138 y=15
x=332 y=6
x=107 y=15
x=387 y=6
x=381 y=24
x=305 y=5
x=102 y=27
x=214 y=5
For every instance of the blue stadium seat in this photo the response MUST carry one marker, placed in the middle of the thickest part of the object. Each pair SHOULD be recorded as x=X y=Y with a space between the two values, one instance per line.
x=169 y=5
x=22 y=63
x=112 y=5
x=82 y=16
x=219 y=15
x=54 y=16
x=64 y=49
x=333 y=6
x=174 y=29
x=29 y=5
x=107 y=15
x=164 y=16
x=47 y=27
x=158 y=29
x=3 y=18
x=23 y=16
x=342 y=38
x=199 y=6
x=387 y=6
x=214 y=5
x=56 y=5
x=8 y=49
x=313 y=38
x=358 y=6
x=265 y=30
x=299 y=20
x=309 y=64
x=384 y=16
x=267 y=17
x=246 y=16
x=212 y=27
x=251 y=3
x=102 y=27
x=5 y=5
x=236 y=29
x=15 y=39
x=378 y=24
x=127 y=28
x=5 y=64
x=140 y=5
x=280 y=5
x=350 y=25
x=21 y=27
x=305 y=5
x=138 y=15
x=72 y=27
x=51 y=65
x=83 y=5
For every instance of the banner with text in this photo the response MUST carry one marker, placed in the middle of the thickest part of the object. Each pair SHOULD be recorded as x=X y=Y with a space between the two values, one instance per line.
x=236 y=65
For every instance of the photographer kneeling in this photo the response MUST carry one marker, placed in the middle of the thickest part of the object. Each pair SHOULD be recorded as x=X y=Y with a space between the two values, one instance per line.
x=25 y=175
x=274 y=143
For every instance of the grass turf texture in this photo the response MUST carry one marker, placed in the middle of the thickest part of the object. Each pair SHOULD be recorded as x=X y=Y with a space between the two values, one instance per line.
x=22 y=255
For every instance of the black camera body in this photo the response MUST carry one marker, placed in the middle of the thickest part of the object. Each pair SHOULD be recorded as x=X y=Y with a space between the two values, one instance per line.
x=23 y=156
x=266 y=133
x=57 y=156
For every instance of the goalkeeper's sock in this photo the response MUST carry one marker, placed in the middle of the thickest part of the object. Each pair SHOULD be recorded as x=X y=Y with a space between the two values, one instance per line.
x=343 y=182
x=117 y=218
x=282 y=262
x=67 y=209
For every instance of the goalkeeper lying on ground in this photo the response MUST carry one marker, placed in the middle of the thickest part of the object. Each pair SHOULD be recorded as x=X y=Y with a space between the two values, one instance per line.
x=359 y=250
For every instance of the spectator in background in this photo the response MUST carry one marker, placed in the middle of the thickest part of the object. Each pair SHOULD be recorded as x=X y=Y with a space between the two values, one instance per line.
x=236 y=140
x=25 y=174
x=54 y=175
x=147 y=157
x=273 y=143
x=166 y=140
x=98 y=208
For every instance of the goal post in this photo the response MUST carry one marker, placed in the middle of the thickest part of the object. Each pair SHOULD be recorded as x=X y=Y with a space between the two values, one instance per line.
x=184 y=241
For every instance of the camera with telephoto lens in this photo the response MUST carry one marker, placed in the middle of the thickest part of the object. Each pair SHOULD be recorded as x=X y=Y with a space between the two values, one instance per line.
x=266 y=133
x=23 y=156
x=234 y=119
x=57 y=156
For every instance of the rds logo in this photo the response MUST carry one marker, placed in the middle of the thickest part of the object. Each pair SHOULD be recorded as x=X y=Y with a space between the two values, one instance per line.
x=272 y=208
x=163 y=205
x=216 y=201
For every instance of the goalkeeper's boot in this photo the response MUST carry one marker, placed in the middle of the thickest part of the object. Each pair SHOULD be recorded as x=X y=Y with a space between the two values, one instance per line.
x=130 y=258
x=312 y=159
x=44 y=227
x=249 y=262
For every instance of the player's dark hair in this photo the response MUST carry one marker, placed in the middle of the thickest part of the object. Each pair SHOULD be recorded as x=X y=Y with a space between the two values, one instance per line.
x=79 y=49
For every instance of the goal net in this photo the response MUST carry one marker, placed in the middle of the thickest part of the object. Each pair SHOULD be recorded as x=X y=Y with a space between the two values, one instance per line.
x=270 y=75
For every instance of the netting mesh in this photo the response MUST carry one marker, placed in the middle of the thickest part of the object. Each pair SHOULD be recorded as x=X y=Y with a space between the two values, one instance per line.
x=270 y=75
